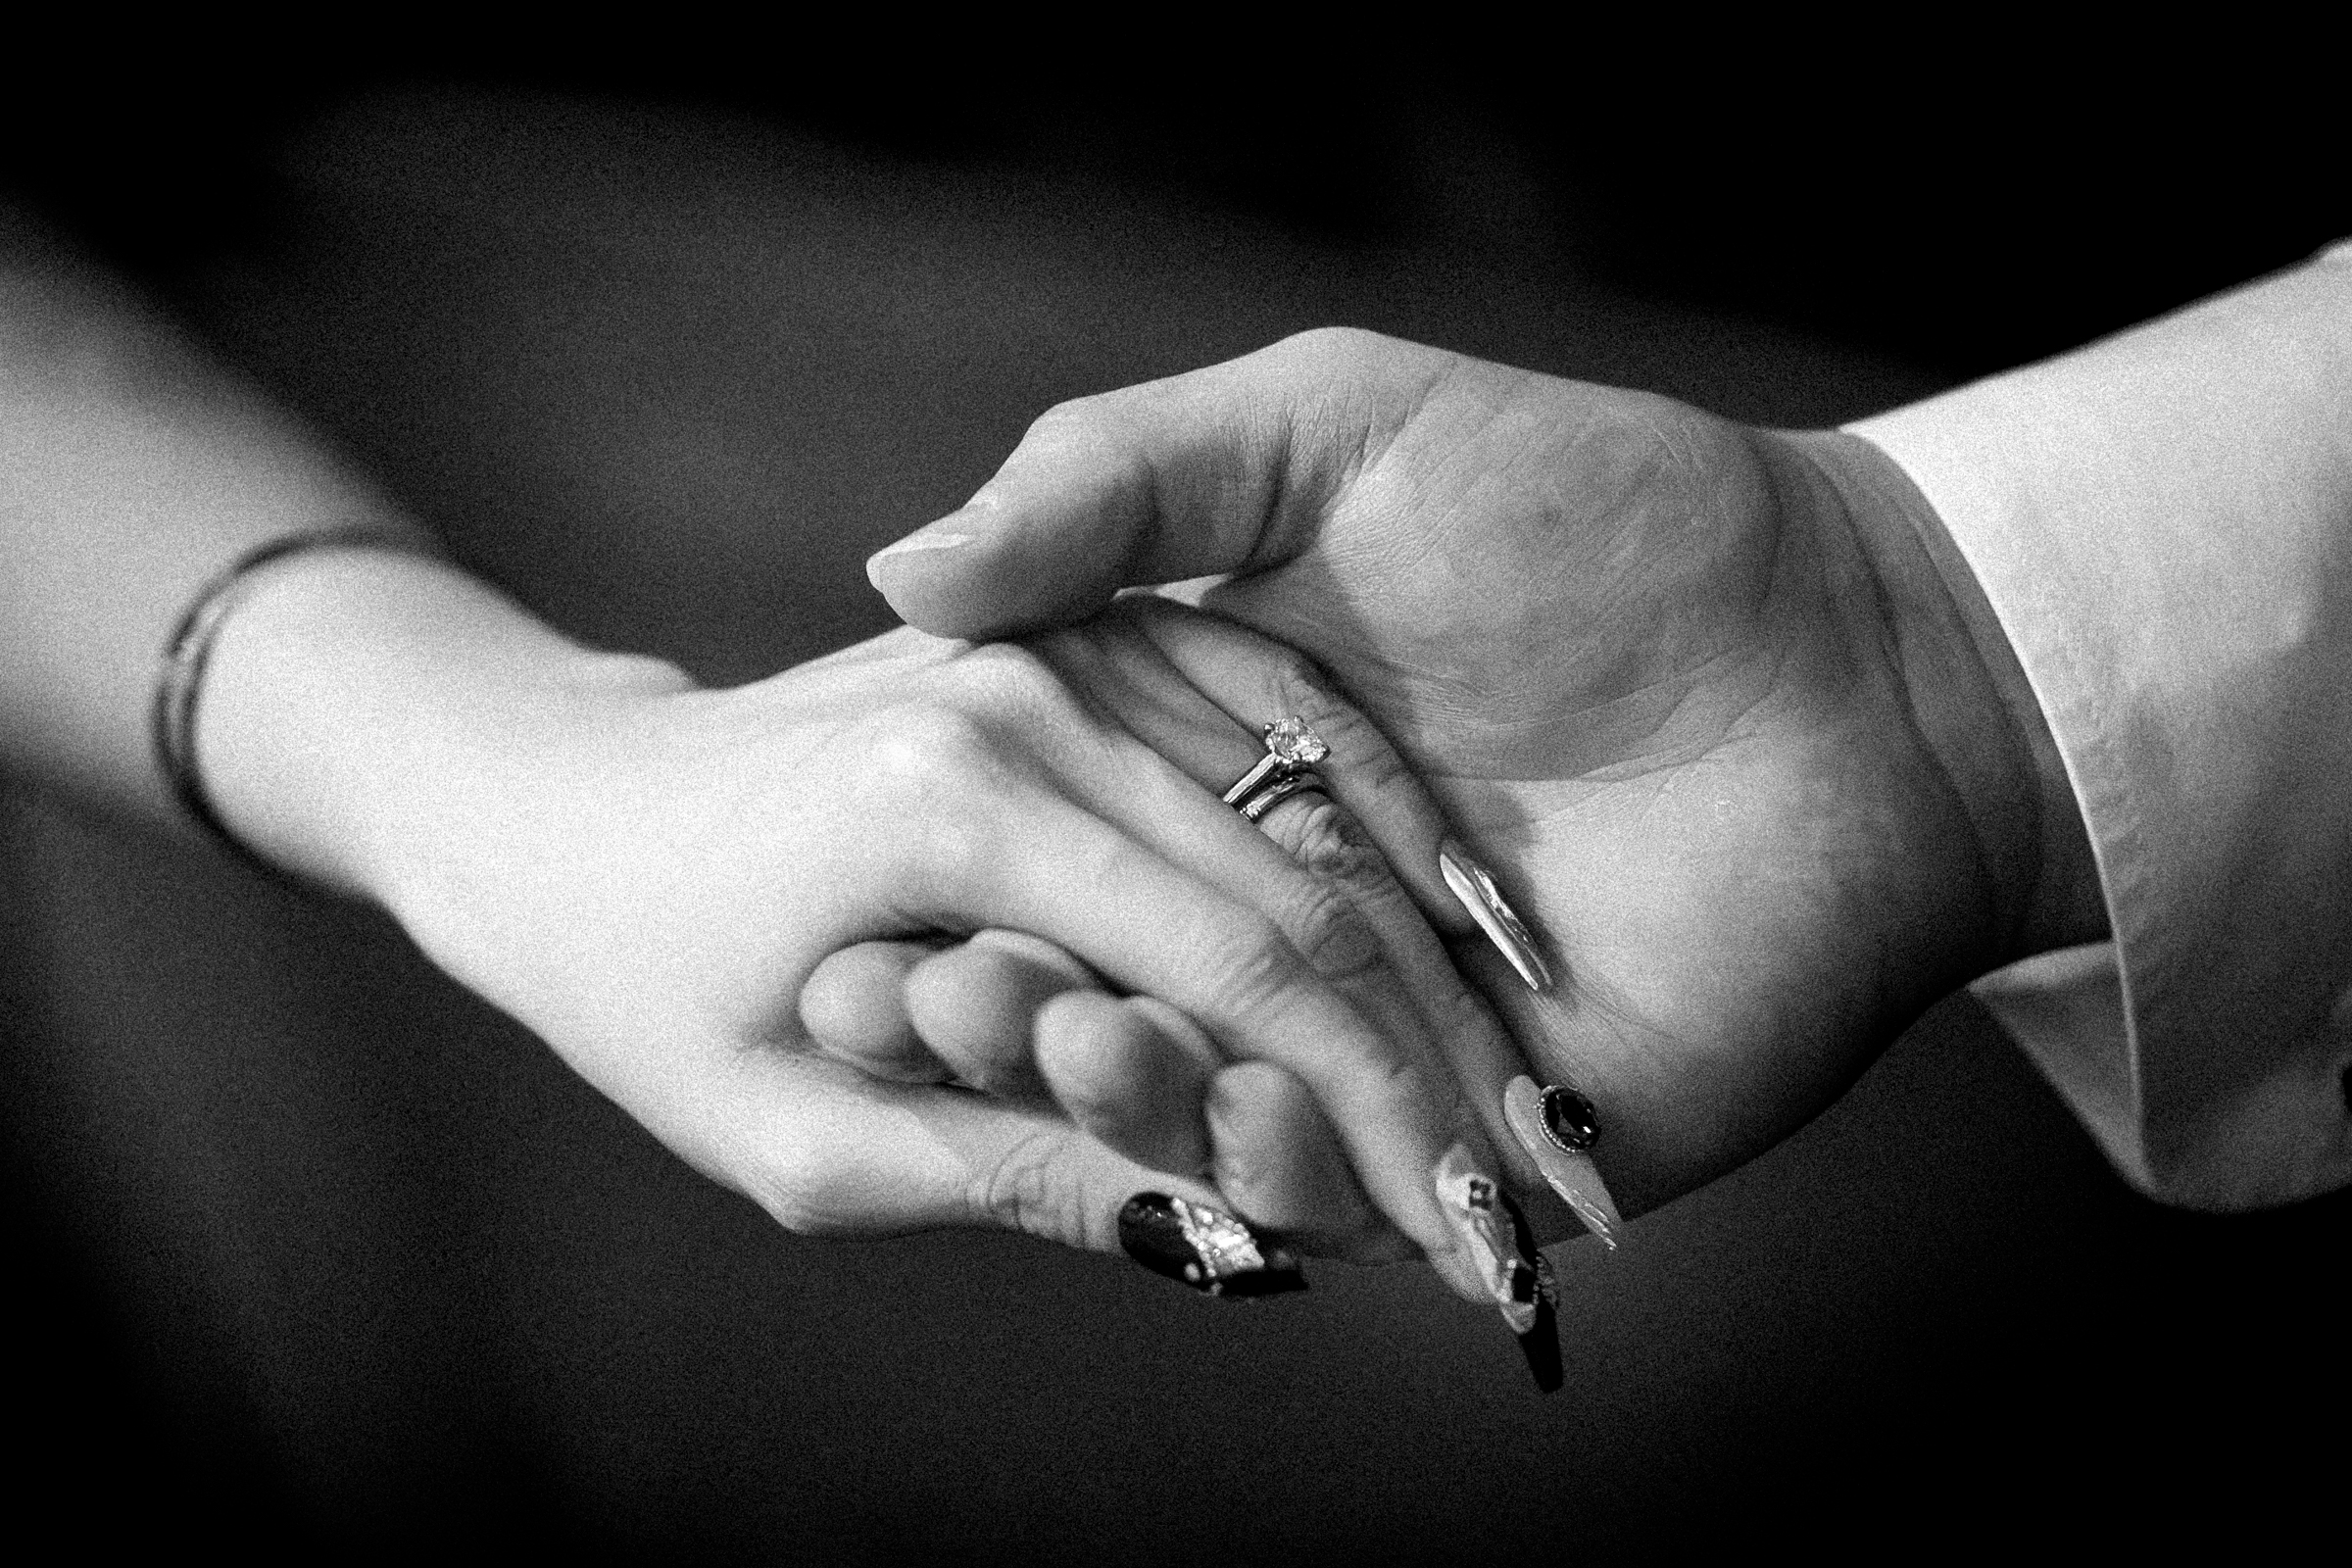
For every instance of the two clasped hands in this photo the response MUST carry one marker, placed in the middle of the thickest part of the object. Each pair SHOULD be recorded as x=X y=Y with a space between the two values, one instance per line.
x=952 y=927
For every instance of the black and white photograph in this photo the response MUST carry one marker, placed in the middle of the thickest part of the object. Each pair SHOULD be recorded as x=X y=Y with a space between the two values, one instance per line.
x=938 y=799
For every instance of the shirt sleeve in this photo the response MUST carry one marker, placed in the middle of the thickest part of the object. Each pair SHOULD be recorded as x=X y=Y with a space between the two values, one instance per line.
x=2162 y=524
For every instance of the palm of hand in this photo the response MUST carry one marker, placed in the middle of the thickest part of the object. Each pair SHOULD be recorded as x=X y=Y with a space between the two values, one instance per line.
x=1708 y=793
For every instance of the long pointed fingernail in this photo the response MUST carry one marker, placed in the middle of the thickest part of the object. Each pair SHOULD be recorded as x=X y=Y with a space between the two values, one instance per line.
x=1497 y=1240
x=1205 y=1247
x=1474 y=885
x=1555 y=1125
x=1541 y=1342
x=927 y=539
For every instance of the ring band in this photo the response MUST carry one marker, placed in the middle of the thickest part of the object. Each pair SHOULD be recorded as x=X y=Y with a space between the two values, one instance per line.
x=1248 y=784
x=1276 y=790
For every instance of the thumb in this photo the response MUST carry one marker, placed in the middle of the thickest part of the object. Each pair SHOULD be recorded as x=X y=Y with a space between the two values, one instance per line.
x=1224 y=470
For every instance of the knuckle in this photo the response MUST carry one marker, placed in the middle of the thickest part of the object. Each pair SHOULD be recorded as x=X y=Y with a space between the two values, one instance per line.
x=1328 y=842
x=1070 y=417
x=1253 y=966
x=1007 y=670
x=935 y=770
x=1021 y=1189
x=1323 y=928
x=926 y=744
x=1324 y=344
x=1334 y=937
x=1010 y=683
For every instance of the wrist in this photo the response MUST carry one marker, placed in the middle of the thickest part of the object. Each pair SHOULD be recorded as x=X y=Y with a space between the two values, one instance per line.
x=1968 y=696
x=365 y=714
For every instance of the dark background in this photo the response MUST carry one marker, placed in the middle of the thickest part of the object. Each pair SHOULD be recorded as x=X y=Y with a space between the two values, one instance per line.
x=314 y=1252
x=1983 y=203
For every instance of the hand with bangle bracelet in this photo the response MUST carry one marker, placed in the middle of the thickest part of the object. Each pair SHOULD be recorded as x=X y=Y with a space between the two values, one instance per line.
x=694 y=895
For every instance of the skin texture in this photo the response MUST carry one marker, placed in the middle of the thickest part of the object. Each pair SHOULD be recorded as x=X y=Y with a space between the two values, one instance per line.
x=645 y=873
x=1708 y=711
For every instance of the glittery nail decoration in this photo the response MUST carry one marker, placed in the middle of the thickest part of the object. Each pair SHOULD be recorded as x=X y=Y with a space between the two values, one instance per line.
x=1205 y=1247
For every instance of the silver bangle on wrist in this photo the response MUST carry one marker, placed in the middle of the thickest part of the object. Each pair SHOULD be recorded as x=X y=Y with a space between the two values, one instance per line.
x=179 y=680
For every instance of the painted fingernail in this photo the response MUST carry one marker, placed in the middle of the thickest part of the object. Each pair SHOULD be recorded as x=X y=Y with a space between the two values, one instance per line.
x=1555 y=1125
x=1467 y=1195
x=1494 y=1237
x=1205 y=1247
x=1541 y=1343
x=1474 y=885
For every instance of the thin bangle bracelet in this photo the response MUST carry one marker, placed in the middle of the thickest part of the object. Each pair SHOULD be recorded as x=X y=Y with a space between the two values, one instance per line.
x=179 y=681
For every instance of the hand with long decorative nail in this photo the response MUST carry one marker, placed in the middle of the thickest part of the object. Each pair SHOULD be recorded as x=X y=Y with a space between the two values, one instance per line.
x=1009 y=1014
x=1709 y=720
x=673 y=886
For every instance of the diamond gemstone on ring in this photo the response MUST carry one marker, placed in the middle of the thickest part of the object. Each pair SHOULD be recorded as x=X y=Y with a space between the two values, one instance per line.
x=1292 y=741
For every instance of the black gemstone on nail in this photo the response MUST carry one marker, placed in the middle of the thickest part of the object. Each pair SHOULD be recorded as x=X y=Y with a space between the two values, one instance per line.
x=1204 y=1249
x=1569 y=1119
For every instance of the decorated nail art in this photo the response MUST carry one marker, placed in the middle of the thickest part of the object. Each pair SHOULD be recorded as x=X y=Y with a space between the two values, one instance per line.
x=1540 y=1344
x=1205 y=1247
x=1555 y=1125
x=1499 y=1245
x=1473 y=885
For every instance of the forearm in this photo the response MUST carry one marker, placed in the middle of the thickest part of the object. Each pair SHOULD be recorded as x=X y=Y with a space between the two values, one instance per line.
x=365 y=714
x=131 y=472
